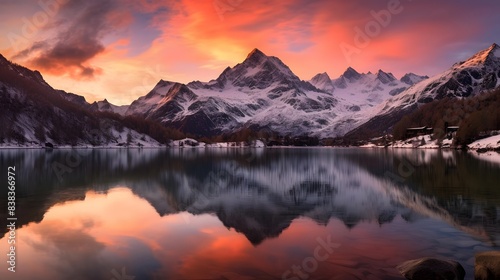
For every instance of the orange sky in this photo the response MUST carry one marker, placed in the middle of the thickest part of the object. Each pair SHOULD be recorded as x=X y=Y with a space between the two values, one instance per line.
x=119 y=49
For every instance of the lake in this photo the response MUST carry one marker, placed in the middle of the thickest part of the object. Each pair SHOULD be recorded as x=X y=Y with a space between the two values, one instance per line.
x=276 y=213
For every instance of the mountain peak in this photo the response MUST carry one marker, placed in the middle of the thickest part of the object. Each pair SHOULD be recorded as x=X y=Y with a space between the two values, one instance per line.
x=164 y=83
x=160 y=89
x=484 y=57
x=494 y=46
x=323 y=75
x=22 y=71
x=2 y=58
x=351 y=74
x=412 y=78
x=322 y=81
x=493 y=50
x=256 y=71
x=256 y=54
x=384 y=77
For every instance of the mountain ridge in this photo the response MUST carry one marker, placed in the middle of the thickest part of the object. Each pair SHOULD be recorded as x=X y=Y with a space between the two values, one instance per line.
x=33 y=114
x=263 y=93
x=478 y=74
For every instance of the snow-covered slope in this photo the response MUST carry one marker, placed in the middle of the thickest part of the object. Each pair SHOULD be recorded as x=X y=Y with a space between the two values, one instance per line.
x=322 y=81
x=488 y=143
x=363 y=92
x=487 y=148
x=478 y=74
x=33 y=114
x=263 y=93
x=411 y=79
x=369 y=90
x=106 y=106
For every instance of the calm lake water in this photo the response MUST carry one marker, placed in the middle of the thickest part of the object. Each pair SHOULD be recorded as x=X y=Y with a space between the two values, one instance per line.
x=317 y=213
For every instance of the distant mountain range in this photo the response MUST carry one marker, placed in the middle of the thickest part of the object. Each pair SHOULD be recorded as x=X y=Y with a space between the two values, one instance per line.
x=261 y=93
x=464 y=79
x=32 y=113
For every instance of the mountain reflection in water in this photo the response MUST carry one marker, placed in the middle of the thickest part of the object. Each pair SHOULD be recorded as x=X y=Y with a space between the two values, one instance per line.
x=246 y=213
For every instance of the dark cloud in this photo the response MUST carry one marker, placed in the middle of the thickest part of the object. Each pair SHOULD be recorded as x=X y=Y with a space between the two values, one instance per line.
x=79 y=29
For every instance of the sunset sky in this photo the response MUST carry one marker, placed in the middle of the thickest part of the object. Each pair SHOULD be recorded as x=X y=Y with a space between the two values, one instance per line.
x=119 y=49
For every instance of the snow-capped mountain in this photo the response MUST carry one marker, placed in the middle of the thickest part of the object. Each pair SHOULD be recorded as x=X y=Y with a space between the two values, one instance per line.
x=32 y=113
x=363 y=92
x=323 y=82
x=478 y=74
x=367 y=90
x=260 y=92
x=263 y=93
x=106 y=106
x=259 y=71
x=411 y=79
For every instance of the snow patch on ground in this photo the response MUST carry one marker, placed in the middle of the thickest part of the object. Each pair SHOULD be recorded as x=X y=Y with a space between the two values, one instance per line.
x=489 y=143
x=187 y=142
x=419 y=142
x=492 y=142
x=192 y=143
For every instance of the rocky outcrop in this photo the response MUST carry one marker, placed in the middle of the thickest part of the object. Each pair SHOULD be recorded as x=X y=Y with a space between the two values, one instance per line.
x=431 y=268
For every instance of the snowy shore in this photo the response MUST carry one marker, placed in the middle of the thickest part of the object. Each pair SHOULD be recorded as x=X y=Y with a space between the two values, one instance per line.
x=487 y=148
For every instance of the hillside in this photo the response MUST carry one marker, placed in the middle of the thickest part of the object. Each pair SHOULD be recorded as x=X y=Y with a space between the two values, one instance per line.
x=32 y=113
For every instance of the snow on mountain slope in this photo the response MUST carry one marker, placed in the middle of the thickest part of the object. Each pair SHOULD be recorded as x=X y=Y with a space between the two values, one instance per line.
x=411 y=79
x=363 y=92
x=106 y=106
x=492 y=142
x=367 y=90
x=261 y=92
x=478 y=74
x=322 y=81
x=145 y=103
x=32 y=114
x=20 y=71
x=259 y=71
